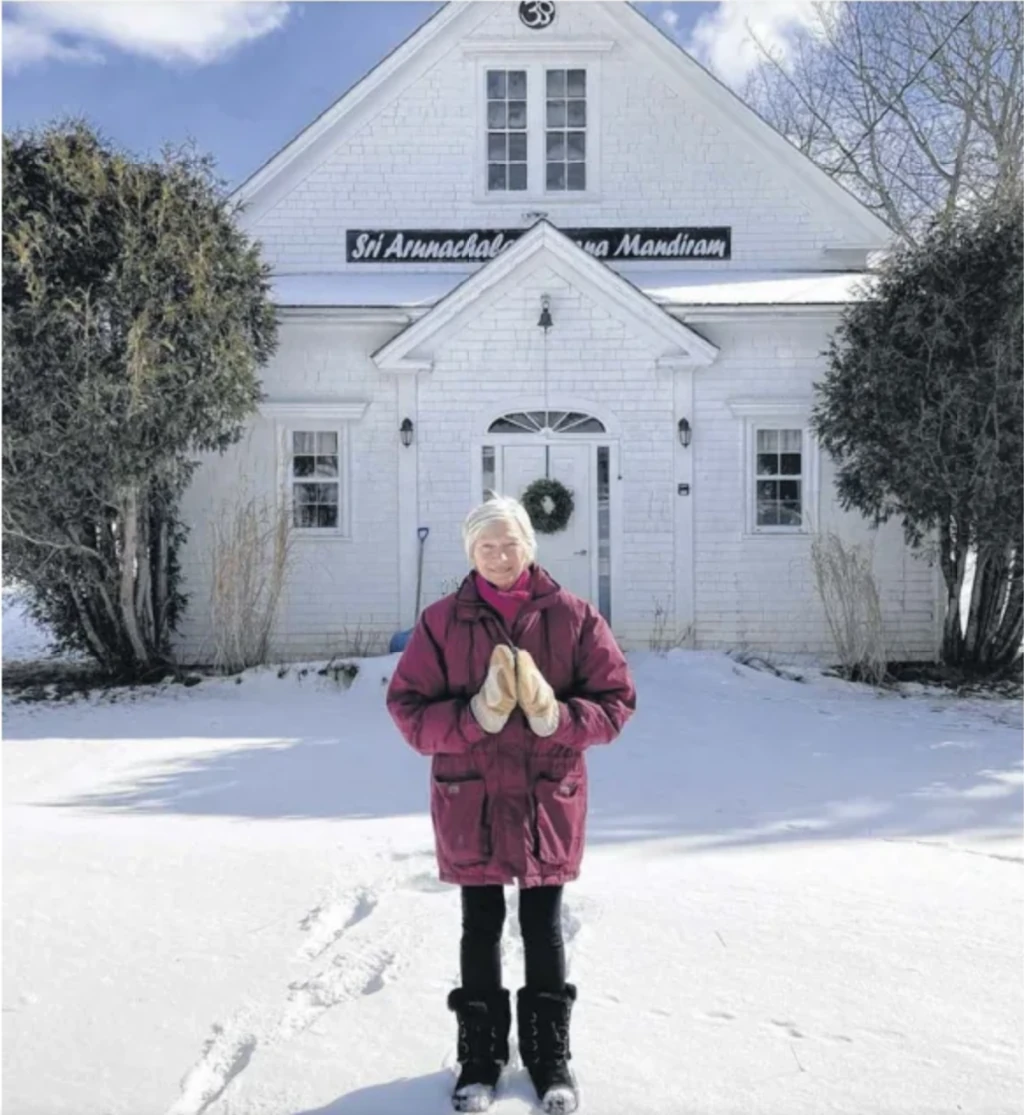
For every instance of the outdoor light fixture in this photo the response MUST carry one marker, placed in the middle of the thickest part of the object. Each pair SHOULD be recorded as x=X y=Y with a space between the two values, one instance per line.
x=405 y=431
x=684 y=433
x=545 y=313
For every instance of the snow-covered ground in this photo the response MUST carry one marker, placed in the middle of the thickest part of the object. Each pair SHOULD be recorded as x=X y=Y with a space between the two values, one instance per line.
x=798 y=898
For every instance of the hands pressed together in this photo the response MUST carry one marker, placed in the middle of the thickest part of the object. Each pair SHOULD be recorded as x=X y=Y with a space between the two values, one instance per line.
x=513 y=679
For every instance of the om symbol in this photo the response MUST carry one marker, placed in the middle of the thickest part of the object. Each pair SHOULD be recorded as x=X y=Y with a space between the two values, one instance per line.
x=537 y=14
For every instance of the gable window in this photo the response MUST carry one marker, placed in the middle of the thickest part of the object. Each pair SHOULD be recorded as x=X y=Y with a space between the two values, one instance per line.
x=537 y=137
x=506 y=130
x=537 y=421
x=565 y=131
x=315 y=479
x=779 y=478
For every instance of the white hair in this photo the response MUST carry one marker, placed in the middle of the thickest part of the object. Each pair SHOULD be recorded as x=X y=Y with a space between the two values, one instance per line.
x=504 y=510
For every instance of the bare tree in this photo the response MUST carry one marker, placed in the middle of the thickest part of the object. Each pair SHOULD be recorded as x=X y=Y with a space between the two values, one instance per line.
x=915 y=107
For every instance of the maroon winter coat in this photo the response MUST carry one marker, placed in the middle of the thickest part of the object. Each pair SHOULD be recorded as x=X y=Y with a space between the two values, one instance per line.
x=512 y=805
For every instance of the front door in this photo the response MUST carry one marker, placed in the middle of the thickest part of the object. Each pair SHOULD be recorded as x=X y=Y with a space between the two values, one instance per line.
x=568 y=555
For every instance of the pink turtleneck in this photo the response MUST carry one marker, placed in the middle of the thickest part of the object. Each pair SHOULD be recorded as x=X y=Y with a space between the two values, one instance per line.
x=506 y=602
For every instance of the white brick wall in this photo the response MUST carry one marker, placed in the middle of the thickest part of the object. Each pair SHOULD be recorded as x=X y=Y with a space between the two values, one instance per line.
x=662 y=162
x=758 y=591
x=750 y=591
x=338 y=588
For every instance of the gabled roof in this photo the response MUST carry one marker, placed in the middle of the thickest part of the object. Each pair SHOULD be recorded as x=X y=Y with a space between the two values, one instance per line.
x=322 y=135
x=457 y=19
x=676 y=344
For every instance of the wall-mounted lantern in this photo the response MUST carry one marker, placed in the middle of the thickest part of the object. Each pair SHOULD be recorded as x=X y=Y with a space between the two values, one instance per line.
x=545 y=313
x=685 y=433
x=405 y=432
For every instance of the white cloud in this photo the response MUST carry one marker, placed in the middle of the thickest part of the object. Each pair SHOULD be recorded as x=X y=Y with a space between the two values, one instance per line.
x=670 y=17
x=24 y=44
x=169 y=32
x=722 y=40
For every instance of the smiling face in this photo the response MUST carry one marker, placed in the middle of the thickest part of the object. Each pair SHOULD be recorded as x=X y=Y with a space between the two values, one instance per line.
x=499 y=555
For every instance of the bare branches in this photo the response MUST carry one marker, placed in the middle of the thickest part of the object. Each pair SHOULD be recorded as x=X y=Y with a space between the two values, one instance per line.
x=915 y=107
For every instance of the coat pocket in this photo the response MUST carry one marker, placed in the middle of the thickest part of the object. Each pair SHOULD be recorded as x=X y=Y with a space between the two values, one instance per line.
x=560 y=810
x=459 y=811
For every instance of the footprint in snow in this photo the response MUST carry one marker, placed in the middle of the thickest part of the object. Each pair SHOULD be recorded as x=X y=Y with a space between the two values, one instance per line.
x=347 y=978
x=224 y=1056
x=327 y=923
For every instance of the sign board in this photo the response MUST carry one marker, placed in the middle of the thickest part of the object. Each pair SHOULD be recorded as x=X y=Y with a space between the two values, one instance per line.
x=480 y=245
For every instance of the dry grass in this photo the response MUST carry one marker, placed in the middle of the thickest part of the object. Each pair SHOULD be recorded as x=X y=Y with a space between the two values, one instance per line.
x=251 y=551
x=665 y=636
x=357 y=642
x=848 y=591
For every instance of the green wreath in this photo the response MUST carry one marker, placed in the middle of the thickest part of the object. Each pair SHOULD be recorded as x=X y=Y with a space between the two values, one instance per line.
x=549 y=504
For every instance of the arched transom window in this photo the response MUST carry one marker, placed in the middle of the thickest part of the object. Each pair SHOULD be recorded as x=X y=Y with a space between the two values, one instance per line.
x=537 y=421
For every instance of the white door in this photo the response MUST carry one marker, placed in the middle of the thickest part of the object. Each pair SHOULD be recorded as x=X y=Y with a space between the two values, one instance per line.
x=568 y=555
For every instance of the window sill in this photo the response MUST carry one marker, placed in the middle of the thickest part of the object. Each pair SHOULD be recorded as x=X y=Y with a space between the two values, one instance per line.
x=539 y=200
x=778 y=532
x=307 y=534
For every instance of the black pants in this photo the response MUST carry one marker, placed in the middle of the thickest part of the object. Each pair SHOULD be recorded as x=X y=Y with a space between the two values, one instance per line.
x=540 y=918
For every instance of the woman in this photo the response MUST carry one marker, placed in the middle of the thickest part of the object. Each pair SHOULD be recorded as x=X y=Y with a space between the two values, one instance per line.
x=505 y=684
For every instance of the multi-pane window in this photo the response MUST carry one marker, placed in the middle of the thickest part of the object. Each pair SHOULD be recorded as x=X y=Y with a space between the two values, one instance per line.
x=779 y=466
x=315 y=478
x=506 y=129
x=565 y=130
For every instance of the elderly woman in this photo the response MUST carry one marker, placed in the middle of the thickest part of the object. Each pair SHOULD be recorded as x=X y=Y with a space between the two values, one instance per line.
x=505 y=684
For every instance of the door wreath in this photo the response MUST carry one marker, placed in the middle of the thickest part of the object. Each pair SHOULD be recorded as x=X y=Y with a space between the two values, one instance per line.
x=549 y=504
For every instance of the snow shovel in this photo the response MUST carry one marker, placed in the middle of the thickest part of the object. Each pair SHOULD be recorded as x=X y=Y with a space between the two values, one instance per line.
x=400 y=638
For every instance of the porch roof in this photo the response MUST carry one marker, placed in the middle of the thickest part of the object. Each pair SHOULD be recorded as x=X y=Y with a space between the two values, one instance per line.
x=421 y=290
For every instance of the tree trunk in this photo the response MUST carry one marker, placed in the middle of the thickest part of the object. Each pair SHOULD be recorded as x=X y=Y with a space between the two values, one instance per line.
x=129 y=562
x=991 y=641
x=953 y=560
x=99 y=649
x=160 y=584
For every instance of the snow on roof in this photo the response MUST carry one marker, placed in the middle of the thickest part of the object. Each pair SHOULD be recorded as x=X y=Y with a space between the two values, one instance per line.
x=690 y=288
x=670 y=288
x=362 y=288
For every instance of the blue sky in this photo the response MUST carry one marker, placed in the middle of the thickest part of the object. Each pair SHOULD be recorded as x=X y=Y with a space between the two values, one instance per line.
x=241 y=79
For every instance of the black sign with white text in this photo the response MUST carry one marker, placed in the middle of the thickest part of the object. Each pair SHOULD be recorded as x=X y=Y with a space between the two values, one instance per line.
x=480 y=245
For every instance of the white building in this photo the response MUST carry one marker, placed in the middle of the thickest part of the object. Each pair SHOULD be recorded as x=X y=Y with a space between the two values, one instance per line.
x=506 y=158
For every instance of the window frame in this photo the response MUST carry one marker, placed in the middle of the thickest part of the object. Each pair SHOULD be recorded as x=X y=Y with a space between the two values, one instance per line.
x=778 y=415
x=754 y=477
x=506 y=130
x=536 y=67
x=290 y=419
x=293 y=480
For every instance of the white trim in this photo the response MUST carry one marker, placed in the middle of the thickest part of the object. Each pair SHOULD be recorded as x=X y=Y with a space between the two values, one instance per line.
x=768 y=407
x=684 y=519
x=617 y=536
x=544 y=243
x=284 y=427
x=316 y=410
x=408 y=502
x=350 y=315
x=687 y=312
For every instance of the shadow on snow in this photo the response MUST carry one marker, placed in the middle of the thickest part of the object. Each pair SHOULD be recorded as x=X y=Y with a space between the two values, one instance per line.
x=718 y=754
